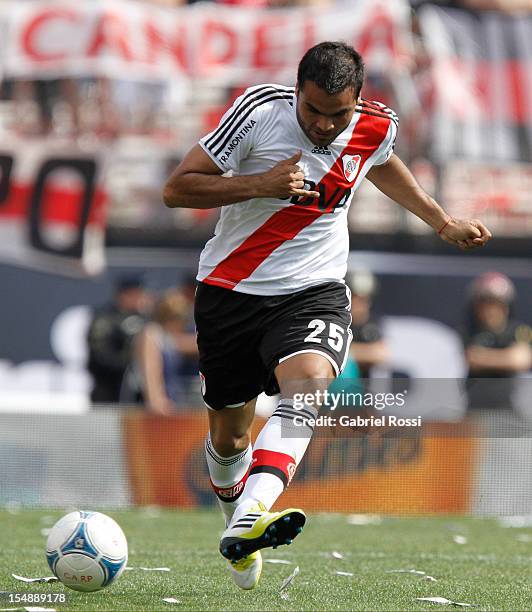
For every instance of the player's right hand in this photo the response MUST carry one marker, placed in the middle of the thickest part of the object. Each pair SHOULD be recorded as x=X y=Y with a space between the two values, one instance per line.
x=286 y=179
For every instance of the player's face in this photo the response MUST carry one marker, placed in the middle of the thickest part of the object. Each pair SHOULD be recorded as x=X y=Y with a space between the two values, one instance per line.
x=322 y=116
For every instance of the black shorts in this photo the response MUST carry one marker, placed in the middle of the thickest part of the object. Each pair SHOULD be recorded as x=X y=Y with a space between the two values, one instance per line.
x=242 y=337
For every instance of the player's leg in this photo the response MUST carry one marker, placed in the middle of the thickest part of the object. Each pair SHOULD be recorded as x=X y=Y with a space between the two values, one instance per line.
x=228 y=453
x=307 y=347
x=282 y=443
x=230 y=370
x=277 y=452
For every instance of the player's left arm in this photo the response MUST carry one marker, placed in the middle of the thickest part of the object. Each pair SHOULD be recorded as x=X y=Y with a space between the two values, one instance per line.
x=396 y=181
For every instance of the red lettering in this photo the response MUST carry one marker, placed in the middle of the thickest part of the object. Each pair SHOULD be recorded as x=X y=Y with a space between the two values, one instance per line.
x=219 y=45
x=157 y=42
x=34 y=28
x=111 y=31
x=267 y=53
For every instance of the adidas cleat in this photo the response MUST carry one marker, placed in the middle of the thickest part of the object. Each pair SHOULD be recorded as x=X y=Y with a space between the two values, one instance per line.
x=258 y=529
x=246 y=571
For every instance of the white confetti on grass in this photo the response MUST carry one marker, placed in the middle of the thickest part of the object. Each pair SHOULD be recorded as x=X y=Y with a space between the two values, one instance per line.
x=423 y=575
x=524 y=537
x=172 y=600
x=407 y=571
x=149 y=569
x=45 y=531
x=44 y=579
x=278 y=561
x=344 y=573
x=459 y=539
x=364 y=519
x=288 y=581
x=336 y=555
x=151 y=512
x=442 y=601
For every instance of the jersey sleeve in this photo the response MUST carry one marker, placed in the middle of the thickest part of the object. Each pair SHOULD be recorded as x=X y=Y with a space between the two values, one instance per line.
x=236 y=134
x=388 y=144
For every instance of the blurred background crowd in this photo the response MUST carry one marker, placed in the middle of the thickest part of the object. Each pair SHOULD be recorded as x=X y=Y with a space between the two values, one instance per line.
x=142 y=349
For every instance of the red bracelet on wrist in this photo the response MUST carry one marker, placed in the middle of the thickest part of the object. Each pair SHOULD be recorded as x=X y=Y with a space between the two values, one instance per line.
x=444 y=226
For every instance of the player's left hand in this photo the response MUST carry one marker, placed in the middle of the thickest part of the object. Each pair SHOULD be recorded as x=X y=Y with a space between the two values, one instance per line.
x=465 y=233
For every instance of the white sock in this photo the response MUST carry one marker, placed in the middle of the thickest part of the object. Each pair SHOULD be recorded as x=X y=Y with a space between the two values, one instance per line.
x=278 y=450
x=228 y=477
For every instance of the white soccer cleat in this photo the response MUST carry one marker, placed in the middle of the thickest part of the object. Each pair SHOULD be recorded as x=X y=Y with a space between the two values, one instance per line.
x=258 y=528
x=246 y=572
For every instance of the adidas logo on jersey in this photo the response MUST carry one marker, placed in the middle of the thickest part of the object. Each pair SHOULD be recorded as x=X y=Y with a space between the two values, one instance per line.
x=321 y=150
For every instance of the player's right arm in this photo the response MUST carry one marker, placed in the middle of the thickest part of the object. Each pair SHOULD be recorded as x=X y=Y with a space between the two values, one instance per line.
x=197 y=182
x=242 y=133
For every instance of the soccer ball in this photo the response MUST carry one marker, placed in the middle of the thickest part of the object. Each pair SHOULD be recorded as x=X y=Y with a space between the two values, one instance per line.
x=87 y=551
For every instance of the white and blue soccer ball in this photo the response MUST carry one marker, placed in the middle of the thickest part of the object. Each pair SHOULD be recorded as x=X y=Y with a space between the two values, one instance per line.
x=87 y=551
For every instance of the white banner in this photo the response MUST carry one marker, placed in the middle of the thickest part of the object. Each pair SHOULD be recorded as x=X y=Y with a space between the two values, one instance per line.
x=52 y=207
x=124 y=39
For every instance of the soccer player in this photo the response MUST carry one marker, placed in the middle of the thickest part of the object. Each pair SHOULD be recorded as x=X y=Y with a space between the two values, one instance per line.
x=272 y=309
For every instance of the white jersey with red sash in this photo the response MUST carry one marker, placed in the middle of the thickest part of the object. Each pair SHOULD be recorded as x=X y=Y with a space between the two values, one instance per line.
x=270 y=246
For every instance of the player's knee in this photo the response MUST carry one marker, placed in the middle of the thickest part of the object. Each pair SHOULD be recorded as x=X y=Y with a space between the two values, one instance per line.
x=309 y=374
x=304 y=367
x=317 y=371
x=228 y=443
x=308 y=377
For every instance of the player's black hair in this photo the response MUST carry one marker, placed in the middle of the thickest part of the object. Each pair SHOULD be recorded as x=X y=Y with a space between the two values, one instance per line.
x=333 y=66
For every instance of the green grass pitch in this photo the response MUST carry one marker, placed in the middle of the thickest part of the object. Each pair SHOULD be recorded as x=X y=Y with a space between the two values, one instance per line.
x=492 y=569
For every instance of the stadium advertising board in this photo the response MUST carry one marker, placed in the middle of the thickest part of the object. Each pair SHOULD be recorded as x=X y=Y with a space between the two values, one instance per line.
x=358 y=473
x=477 y=467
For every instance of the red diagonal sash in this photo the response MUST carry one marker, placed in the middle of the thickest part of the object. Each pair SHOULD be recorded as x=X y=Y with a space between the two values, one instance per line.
x=285 y=224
